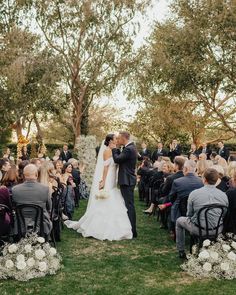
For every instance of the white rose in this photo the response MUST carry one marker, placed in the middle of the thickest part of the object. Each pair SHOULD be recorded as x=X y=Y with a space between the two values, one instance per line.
x=30 y=262
x=41 y=240
x=207 y=266
x=28 y=248
x=214 y=255
x=233 y=245
x=52 y=251
x=42 y=266
x=20 y=257
x=226 y=247
x=55 y=263
x=204 y=254
x=231 y=256
x=9 y=264
x=40 y=254
x=206 y=243
x=20 y=265
x=224 y=266
x=12 y=248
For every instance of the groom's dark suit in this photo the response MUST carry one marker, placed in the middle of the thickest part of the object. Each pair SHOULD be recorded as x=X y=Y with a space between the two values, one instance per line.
x=127 y=179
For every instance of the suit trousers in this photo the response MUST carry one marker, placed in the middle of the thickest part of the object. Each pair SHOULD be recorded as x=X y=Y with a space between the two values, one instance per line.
x=128 y=195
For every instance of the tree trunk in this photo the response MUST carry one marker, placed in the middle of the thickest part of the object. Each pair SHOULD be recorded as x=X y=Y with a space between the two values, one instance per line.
x=18 y=128
x=39 y=135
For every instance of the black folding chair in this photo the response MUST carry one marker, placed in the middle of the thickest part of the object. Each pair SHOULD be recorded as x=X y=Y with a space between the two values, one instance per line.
x=29 y=219
x=5 y=236
x=205 y=231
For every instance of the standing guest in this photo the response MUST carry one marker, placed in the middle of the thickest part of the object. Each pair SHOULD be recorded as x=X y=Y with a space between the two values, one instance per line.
x=7 y=218
x=144 y=153
x=24 y=154
x=230 y=220
x=32 y=192
x=76 y=177
x=213 y=158
x=175 y=150
x=58 y=165
x=10 y=179
x=7 y=154
x=68 y=180
x=193 y=151
x=143 y=172
x=56 y=156
x=159 y=152
x=223 y=151
x=65 y=154
x=199 y=198
x=204 y=149
x=4 y=167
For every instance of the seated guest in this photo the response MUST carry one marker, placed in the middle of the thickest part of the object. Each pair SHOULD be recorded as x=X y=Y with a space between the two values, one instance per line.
x=6 y=218
x=223 y=151
x=145 y=152
x=175 y=150
x=4 y=167
x=65 y=154
x=230 y=220
x=10 y=179
x=159 y=152
x=199 y=198
x=24 y=154
x=204 y=149
x=7 y=155
x=193 y=151
x=36 y=162
x=56 y=155
x=223 y=181
x=202 y=164
x=32 y=192
x=213 y=158
x=222 y=162
x=21 y=167
x=231 y=172
x=182 y=187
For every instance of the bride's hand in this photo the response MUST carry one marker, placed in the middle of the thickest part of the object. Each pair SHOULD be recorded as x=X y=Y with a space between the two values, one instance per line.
x=101 y=184
x=112 y=145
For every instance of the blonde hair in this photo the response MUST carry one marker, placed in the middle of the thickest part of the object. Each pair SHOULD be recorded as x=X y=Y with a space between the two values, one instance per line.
x=202 y=165
x=232 y=169
x=46 y=170
x=219 y=169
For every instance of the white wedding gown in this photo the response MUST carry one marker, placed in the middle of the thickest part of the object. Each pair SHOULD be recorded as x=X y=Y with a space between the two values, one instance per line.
x=105 y=219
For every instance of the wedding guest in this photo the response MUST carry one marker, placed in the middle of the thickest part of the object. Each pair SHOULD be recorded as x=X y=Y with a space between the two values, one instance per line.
x=223 y=181
x=46 y=176
x=68 y=180
x=10 y=178
x=230 y=220
x=175 y=150
x=231 y=172
x=7 y=218
x=223 y=151
x=193 y=151
x=65 y=154
x=4 y=167
x=77 y=179
x=202 y=164
x=144 y=153
x=24 y=154
x=32 y=192
x=198 y=198
x=7 y=155
x=222 y=162
x=21 y=167
x=36 y=162
x=56 y=155
x=143 y=172
x=159 y=152
x=204 y=149
x=213 y=158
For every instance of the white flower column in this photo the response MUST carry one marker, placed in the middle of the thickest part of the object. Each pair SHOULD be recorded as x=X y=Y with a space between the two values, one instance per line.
x=86 y=149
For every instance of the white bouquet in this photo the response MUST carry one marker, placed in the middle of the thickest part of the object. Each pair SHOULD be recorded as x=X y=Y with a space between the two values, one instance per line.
x=31 y=258
x=215 y=260
x=102 y=195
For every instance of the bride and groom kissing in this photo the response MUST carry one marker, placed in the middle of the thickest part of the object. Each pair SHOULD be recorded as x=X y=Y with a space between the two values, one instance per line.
x=114 y=217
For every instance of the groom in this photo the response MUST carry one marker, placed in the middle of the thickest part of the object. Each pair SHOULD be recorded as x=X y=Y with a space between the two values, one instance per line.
x=126 y=178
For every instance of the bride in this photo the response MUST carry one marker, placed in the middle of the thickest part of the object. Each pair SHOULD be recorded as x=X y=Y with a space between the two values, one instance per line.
x=104 y=219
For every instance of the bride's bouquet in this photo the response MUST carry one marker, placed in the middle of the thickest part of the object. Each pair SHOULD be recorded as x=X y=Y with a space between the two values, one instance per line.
x=28 y=259
x=102 y=194
x=215 y=260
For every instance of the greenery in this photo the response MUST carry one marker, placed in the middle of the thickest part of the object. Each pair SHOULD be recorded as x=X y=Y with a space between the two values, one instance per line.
x=146 y=265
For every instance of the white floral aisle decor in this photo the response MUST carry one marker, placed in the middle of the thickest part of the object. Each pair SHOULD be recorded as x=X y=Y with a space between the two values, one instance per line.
x=86 y=149
x=31 y=258
x=214 y=260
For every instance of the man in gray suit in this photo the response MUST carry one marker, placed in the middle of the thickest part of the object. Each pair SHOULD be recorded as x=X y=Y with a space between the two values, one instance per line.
x=32 y=192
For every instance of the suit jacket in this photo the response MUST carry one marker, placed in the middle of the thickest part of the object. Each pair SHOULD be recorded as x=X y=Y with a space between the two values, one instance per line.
x=65 y=157
x=147 y=153
x=166 y=188
x=224 y=153
x=157 y=154
x=176 y=152
x=181 y=188
x=32 y=192
x=208 y=152
x=127 y=163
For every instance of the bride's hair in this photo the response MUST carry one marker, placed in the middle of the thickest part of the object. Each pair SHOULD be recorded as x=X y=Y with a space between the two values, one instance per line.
x=108 y=138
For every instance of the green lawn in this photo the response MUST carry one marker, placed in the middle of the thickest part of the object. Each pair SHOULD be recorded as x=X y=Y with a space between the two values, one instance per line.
x=147 y=265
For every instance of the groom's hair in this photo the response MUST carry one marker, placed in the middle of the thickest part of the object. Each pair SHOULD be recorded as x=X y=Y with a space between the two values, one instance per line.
x=125 y=134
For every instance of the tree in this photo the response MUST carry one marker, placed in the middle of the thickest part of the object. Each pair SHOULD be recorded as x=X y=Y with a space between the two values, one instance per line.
x=93 y=40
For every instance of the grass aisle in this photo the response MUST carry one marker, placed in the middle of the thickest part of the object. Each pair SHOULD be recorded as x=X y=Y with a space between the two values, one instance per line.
x=147 y=265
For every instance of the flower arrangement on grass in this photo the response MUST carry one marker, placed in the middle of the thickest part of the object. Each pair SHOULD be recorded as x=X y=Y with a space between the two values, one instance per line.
x=31 y=258
x=214 y=260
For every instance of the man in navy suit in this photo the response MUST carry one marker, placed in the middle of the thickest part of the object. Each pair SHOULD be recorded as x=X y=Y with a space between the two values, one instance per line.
x=65 y=154
x=182 y=187
x=223 y=151
x=145 y=152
